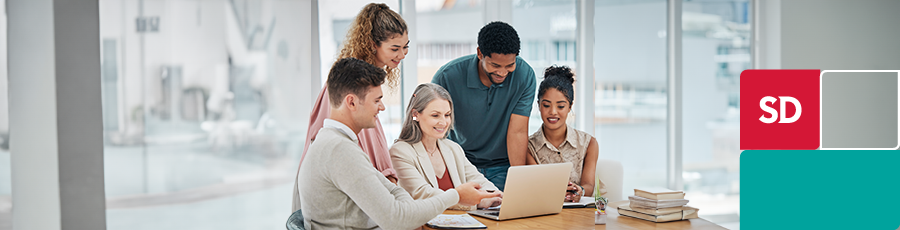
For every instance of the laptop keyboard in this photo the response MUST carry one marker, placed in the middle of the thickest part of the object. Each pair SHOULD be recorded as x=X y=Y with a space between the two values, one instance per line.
x=492 y=213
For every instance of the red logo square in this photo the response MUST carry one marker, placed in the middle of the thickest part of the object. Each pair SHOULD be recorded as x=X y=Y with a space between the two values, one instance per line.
x=780 y=109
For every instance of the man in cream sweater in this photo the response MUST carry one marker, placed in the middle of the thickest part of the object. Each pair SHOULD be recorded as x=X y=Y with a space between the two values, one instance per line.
x=339 y=188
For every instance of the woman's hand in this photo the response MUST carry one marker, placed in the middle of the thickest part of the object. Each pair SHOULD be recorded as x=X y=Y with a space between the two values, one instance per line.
x=491 y=202
x=573 y=192
x=470 y=195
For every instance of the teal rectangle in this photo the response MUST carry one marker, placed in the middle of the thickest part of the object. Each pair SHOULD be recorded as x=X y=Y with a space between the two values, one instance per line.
x=820 y=189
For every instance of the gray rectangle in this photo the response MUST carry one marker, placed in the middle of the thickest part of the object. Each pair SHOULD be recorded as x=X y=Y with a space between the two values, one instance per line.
x=859 y=110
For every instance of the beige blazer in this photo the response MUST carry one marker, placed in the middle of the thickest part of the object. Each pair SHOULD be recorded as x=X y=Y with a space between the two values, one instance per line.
x=416 y=174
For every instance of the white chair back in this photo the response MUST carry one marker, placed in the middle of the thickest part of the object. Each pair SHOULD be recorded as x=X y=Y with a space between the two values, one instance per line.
x=610 y=172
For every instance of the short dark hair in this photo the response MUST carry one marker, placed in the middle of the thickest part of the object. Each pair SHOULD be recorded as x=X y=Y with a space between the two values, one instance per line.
x=351 y=75
x=498 y=38
x=560 y=78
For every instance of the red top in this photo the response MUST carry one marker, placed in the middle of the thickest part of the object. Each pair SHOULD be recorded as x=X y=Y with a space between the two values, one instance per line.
x=444 y=181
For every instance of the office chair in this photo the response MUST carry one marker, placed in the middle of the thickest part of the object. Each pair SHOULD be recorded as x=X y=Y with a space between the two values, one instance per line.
x=295 y=221
x=611 y=173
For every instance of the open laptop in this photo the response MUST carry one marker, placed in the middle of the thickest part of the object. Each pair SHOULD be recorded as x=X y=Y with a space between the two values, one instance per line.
x=531 y=190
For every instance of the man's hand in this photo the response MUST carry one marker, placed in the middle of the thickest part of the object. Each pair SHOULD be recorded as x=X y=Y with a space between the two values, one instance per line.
x=392 y=178
x=470 y=195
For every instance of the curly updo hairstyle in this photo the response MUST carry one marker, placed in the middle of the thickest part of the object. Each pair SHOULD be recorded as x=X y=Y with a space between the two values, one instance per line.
x=560 y=78
x=375 y=23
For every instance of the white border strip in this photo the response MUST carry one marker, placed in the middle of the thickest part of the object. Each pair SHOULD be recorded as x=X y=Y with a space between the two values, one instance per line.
x=822 y=74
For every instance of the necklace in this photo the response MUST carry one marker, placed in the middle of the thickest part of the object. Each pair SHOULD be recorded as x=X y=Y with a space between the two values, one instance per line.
x=431 y=152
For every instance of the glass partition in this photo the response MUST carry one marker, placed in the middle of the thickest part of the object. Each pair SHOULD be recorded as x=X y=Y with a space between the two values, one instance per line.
x=335 y=18
x=440 y=42
x=715 y=49
x=203 y=119
x=547 y=31
x=630 y=91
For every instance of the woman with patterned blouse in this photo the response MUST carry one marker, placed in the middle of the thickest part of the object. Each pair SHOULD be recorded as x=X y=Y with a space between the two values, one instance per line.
x=556 y=142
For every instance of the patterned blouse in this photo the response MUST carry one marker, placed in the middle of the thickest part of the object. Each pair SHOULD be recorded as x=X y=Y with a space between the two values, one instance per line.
x=573 y=150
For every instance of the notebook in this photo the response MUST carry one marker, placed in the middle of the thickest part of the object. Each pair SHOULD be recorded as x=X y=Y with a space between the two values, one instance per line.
x=531 y=190
x=585 y=201
x=462 y=221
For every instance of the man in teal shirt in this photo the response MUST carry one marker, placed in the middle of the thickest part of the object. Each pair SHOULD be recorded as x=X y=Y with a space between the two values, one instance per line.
x=493 y=93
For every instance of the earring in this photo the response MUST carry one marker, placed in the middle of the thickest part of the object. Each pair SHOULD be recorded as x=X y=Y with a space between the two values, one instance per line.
x=414 y=119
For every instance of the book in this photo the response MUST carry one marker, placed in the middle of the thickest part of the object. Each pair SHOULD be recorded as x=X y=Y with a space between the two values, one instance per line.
x=659 y=193
x=654 y=211
x=687 y=212
x=584 y=202
x=641 y=202
x=460 y=221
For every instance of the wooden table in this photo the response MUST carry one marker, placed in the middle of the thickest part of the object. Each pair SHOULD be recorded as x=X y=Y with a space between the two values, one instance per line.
x=583 y=218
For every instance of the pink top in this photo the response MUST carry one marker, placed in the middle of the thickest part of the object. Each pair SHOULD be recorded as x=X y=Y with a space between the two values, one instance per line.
x=371 y=140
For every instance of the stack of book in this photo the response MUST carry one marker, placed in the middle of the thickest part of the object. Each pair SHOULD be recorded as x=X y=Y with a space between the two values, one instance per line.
x=658 y=205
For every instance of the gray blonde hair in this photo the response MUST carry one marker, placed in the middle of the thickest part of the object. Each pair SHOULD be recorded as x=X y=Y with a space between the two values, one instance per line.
x=425 y=93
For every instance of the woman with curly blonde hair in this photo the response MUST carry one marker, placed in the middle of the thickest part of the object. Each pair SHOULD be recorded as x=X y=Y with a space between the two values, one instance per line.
x=380 y=37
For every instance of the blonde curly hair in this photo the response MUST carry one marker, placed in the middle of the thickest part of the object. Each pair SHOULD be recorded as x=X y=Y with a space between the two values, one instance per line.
x=375 y=23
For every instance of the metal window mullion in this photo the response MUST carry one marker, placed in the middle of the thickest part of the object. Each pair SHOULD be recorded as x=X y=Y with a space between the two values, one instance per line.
x=409 y=68
x=55 y=110
x=673 y=83
x=315 y=56
x=584 y=44
x=766 y=34
x=754 y=34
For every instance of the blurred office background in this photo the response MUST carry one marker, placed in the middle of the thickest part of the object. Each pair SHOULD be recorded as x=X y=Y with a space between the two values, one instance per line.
x=206 y=102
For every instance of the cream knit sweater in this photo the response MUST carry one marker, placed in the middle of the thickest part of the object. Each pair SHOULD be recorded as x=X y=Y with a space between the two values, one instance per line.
x=339 y=189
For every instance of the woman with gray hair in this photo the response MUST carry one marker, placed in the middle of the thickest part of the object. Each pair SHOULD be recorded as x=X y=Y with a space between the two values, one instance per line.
x=428 y=163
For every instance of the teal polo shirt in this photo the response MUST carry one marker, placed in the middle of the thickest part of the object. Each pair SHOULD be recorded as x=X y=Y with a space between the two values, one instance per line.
x=482 y=113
